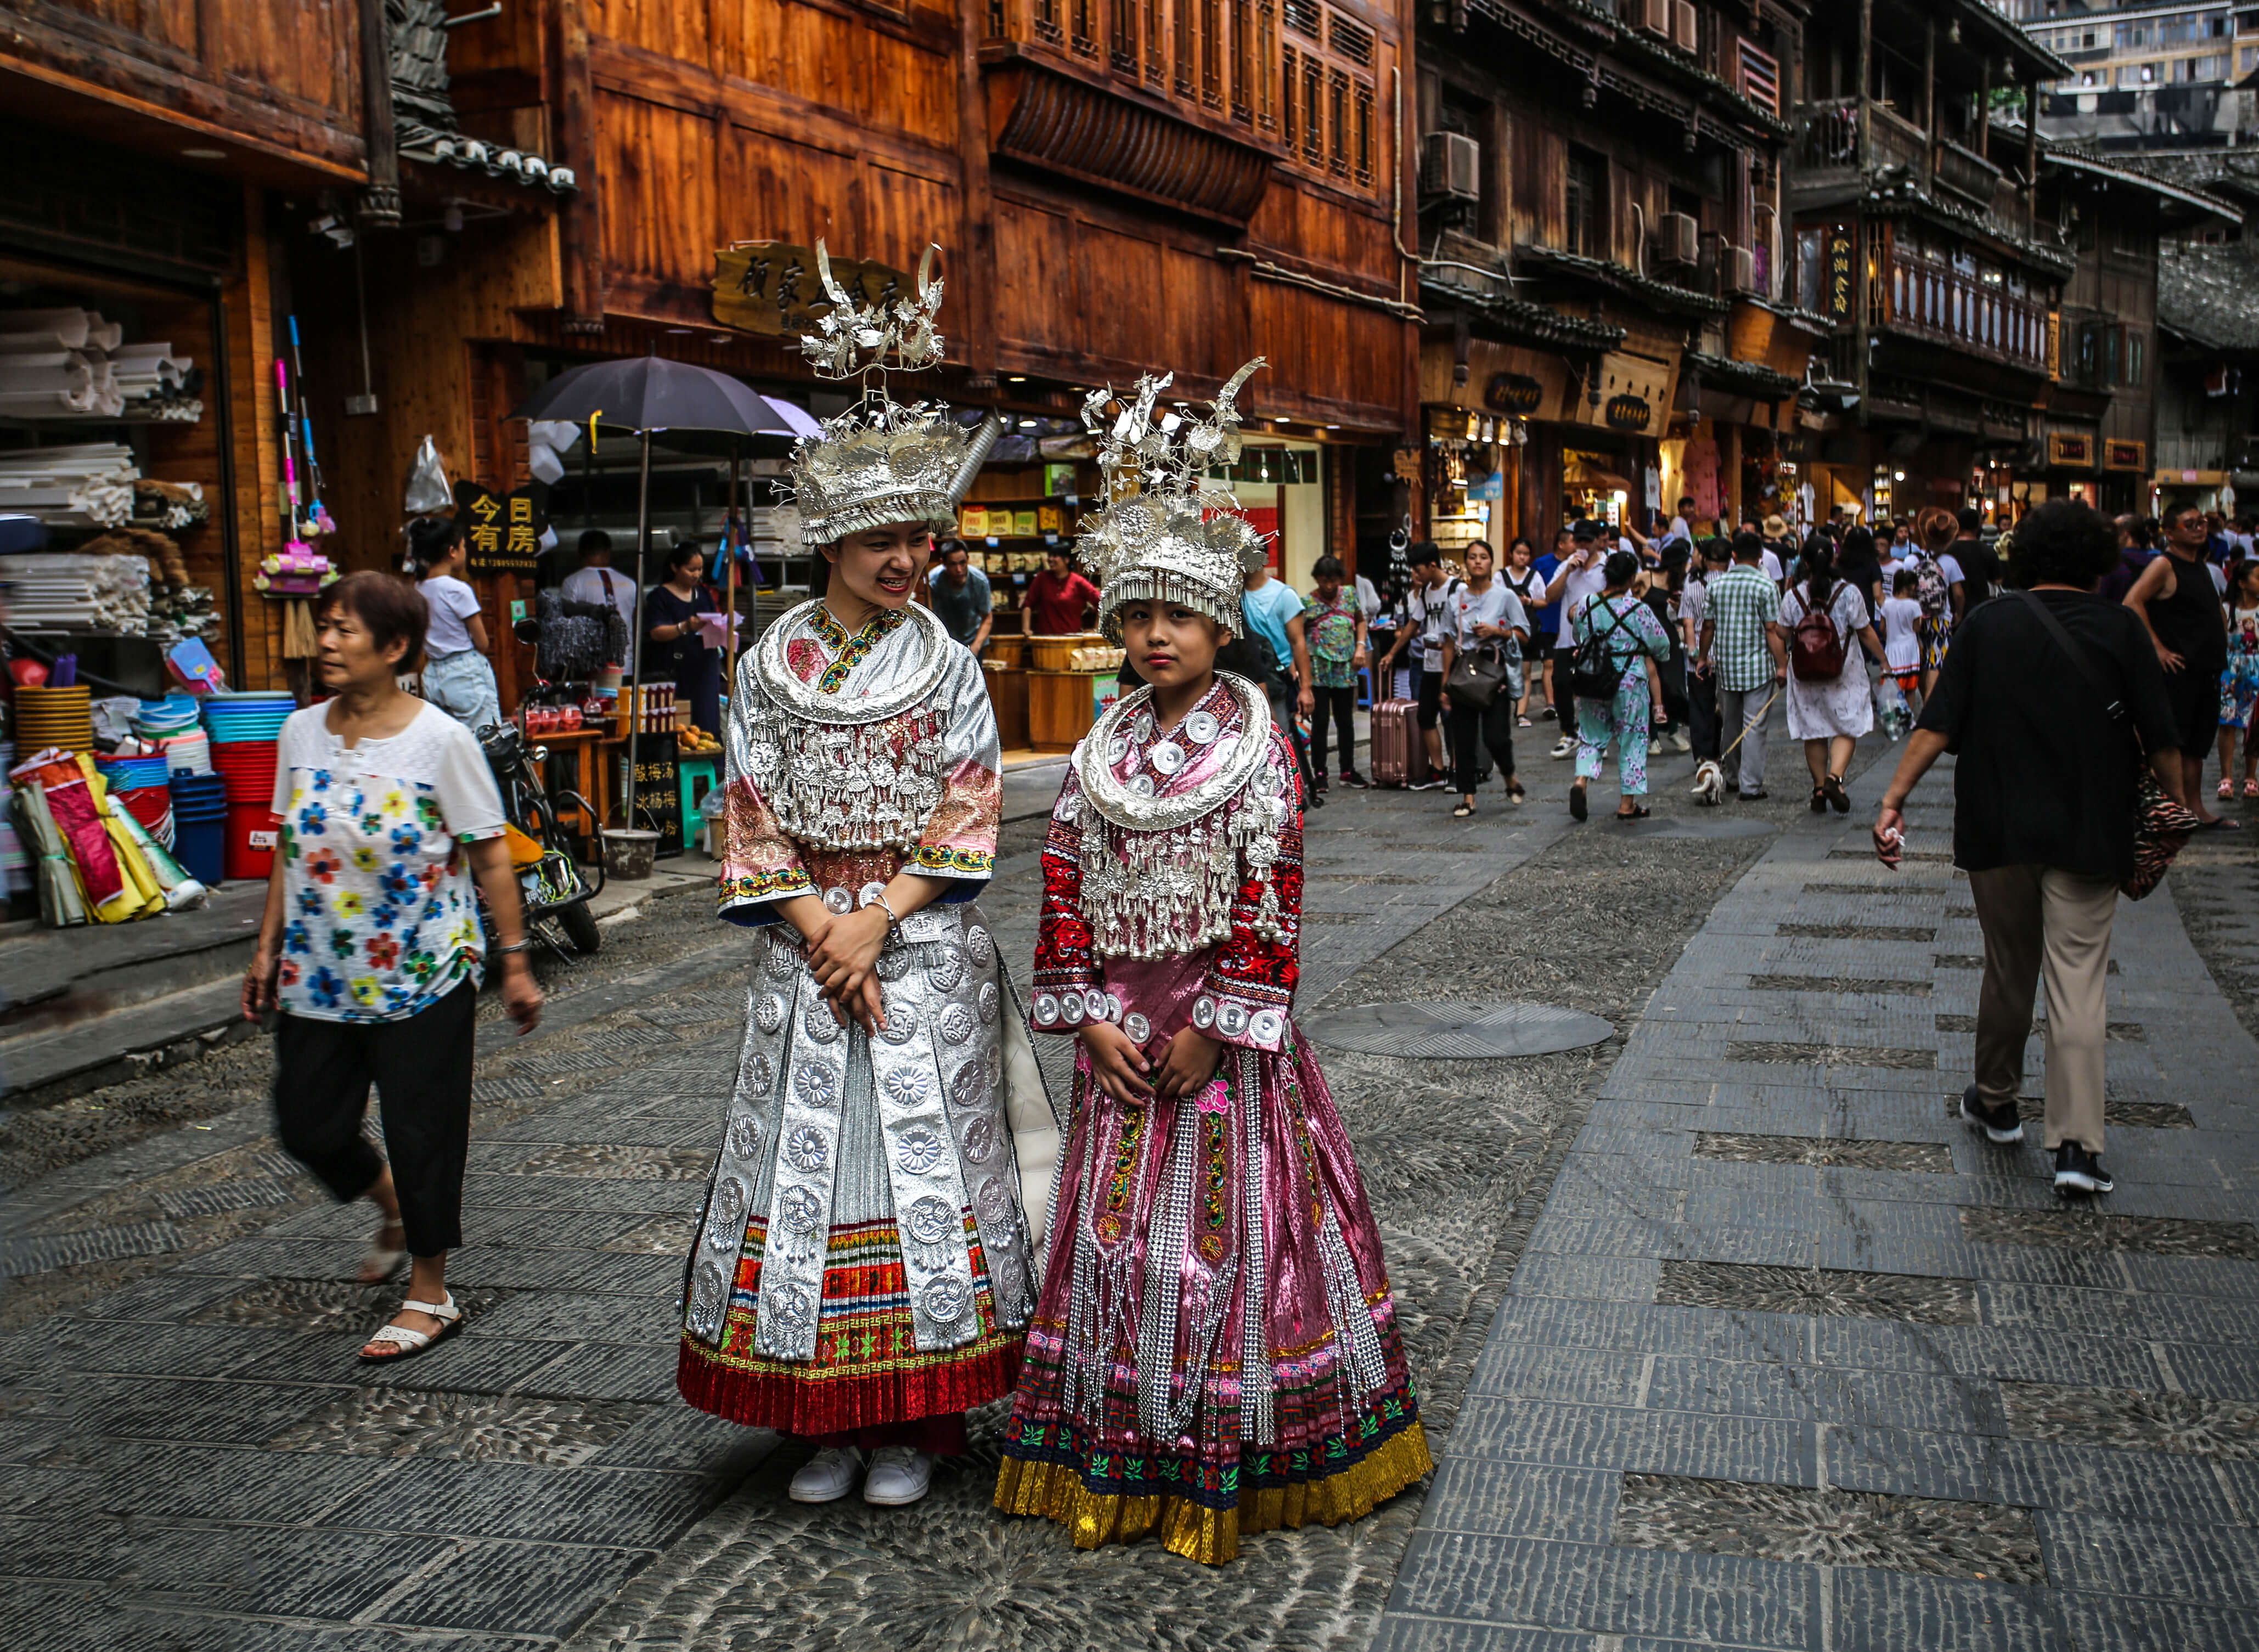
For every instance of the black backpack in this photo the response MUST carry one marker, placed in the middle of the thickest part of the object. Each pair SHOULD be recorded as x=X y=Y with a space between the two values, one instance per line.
x=1595 y=672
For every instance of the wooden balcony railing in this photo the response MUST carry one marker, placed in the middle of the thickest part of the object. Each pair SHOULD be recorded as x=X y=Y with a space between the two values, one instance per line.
x=1967 y=307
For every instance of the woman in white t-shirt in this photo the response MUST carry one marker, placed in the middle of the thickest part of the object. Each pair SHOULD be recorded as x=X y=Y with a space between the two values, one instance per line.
x=1485 y=616
x=1829 y=714
x=371 y=950
x=457 y=677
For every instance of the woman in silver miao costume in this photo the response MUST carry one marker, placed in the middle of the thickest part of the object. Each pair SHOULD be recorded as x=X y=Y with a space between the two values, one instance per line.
x=864 y=1270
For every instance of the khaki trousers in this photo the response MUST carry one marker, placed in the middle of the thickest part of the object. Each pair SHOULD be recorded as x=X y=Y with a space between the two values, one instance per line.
x=2041 y=922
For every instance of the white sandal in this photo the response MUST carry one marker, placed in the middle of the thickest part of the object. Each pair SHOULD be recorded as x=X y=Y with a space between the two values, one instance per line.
x=378 y=1263
x=410 y=1342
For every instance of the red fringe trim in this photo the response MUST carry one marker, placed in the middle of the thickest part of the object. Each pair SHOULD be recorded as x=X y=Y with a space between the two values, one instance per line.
x=835 y=1404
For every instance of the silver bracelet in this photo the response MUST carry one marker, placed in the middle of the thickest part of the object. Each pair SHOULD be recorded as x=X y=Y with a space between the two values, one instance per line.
x=894 y=924
x=514 y=946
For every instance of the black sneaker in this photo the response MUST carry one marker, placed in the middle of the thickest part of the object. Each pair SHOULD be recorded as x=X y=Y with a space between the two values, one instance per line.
x=1546 y=714
x=2077 y=1171
x=1428 y=785
x=2000 y=1124
x=1355 y=781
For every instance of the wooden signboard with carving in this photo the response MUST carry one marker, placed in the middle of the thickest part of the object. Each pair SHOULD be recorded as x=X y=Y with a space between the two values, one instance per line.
x=773 y=287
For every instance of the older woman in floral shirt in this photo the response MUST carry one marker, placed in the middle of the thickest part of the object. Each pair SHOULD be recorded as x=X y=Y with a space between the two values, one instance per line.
x=372 y=948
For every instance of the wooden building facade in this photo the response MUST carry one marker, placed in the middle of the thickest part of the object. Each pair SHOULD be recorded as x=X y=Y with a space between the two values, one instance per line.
x=1599 y=209
x=455 y=206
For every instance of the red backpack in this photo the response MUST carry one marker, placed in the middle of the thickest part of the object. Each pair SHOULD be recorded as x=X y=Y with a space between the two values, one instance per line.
x=1815 y=651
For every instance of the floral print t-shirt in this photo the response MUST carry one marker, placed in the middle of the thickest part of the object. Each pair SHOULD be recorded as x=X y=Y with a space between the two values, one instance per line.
x=1330 y=627
x=381 y=920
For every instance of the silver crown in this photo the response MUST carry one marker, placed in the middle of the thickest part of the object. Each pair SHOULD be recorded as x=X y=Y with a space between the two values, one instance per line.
x=880 y=461
x=1168 y=534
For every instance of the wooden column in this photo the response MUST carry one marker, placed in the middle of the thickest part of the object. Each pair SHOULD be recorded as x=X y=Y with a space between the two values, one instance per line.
x=1984 y=134
x=581 y=220
x=1866 y=70
x=1929 y=101
x=975 y=260
x=380 y=200
x=2031 y=156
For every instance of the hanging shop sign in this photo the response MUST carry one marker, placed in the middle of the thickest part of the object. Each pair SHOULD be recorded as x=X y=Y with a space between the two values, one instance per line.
x=501 y=534
x=2125 y=456
x=2071 y=449
x=1501 y=379
x=1628 y=413
x=772 y=287
x=1839 y=268
x=1631 y=389
x=1513 y=393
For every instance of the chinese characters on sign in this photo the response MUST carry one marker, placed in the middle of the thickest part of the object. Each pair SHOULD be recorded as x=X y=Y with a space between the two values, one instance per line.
x=771 y=287
x=1839 y=273
x=501 y=533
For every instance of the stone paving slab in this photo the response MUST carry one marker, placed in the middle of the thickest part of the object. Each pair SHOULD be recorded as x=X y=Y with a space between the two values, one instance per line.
x=1590 y=1376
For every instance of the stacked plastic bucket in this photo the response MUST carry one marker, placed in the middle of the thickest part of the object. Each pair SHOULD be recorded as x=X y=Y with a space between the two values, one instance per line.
x=243 y=729
x=173 y=726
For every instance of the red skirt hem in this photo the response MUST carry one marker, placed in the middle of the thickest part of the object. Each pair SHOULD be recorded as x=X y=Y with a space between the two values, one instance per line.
x=834 y=1404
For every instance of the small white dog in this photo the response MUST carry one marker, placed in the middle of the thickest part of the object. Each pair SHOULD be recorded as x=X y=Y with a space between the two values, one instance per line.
x=1709 y=782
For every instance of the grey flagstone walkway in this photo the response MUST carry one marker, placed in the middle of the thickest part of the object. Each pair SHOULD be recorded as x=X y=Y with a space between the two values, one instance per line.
x=1795 y=1359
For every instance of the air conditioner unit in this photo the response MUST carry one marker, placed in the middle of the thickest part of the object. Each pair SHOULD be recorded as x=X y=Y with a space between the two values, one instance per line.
x=1741 y=269
x=1653 y=17
x=1678 y=239
x=1682 y=25
x=1451 y=165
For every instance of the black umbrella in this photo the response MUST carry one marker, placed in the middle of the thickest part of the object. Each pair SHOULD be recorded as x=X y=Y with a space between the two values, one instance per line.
x=646 y=393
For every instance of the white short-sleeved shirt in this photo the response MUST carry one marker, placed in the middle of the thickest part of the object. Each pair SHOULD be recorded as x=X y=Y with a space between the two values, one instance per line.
x=1771 y=563
x=603 y=585
x=1581 y=585
x=1901 y=633
x=1951 y=566
x=1497 y=606
x=450 y=603
x=1431 y=611
x=381 y=920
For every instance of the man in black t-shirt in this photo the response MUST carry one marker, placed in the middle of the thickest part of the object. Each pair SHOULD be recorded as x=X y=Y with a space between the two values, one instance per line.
x=1980 y=568
x=2043 y=798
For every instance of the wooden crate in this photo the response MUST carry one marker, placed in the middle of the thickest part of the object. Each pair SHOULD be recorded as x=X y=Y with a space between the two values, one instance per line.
x=1061 y=707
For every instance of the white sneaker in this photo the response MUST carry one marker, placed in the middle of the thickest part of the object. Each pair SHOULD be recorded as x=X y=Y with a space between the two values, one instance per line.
x=1655 y=746
x=1680 y=742
x=899 y=1475
x=1564 y=747
x=828 y=1476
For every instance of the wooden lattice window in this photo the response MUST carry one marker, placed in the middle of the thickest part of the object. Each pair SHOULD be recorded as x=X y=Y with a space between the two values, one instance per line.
x=1047 y=22
x=1122 y=51
x=1211 y=52
x=1266 y=45
x=1313 y=120
x=1362 y=157
x=1157 y=49
x=1086 y=26
x=1242 y=61
x=1286 y=125
x=1337 y=122
x=1187 y=27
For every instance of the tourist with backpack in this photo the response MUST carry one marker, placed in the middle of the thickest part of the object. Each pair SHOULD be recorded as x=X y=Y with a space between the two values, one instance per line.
x=1938 y=587
x=1829 y=703
x=1616 y=633
x=1741 y=639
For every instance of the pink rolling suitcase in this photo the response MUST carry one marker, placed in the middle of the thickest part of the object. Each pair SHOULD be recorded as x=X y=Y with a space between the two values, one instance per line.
x=1399 y=755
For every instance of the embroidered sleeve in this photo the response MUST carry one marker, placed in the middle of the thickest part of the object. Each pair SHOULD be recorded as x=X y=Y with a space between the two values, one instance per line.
x=959 y=839
x=761 y=864
x=1067 y=980
x=1253 y=973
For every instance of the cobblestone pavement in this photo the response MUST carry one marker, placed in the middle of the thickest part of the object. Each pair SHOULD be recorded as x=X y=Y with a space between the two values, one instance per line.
x=189 y=1459
x=1794 y=1360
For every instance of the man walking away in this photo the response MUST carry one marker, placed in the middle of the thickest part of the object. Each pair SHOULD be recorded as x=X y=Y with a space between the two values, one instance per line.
x=1701 y=677
x=1980 y=568
x=2039 y=701
x=1742 y=639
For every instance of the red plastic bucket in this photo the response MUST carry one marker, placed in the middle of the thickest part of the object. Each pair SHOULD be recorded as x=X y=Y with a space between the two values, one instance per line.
x=253 y=831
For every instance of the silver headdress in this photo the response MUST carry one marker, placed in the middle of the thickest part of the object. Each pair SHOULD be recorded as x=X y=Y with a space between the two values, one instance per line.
x=880 y=461
x=1167 y=534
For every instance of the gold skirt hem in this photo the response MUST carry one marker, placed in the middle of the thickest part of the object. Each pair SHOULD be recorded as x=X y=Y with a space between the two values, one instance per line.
x=1055 y=1492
